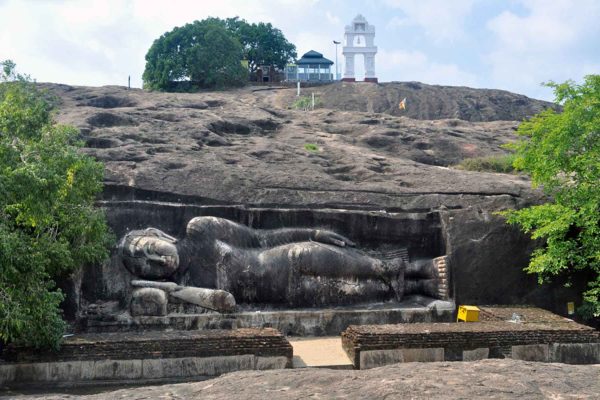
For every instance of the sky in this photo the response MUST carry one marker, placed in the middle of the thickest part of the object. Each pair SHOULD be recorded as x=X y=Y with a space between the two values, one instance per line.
x=513 y=45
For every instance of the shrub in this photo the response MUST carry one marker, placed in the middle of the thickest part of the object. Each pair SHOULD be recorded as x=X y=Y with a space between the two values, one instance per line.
x=305 y=103
x=500 y=164
x=313 y=148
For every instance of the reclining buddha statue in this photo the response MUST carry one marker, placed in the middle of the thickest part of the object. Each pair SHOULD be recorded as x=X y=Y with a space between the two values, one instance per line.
x=220 y=263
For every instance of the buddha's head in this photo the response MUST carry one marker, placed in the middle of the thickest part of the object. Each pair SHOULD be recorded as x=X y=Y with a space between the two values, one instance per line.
x=149 y=253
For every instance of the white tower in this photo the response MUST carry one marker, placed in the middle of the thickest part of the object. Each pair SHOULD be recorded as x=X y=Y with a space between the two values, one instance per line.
x=358 y=39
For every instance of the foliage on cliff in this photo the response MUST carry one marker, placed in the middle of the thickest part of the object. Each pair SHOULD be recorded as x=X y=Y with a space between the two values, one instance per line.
x=561 y=152
x=210 y=54
x=48 y=223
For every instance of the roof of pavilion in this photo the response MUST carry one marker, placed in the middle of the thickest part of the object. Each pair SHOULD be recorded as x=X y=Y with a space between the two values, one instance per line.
x=312 y=58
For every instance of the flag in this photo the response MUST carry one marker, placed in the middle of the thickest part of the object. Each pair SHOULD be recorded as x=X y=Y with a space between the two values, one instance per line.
x=402 y=104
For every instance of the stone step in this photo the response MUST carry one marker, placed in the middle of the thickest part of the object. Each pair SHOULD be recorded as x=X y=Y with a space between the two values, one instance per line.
x=319 y=352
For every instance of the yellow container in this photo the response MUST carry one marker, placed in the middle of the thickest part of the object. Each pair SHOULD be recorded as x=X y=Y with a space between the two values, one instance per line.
x=468 y=314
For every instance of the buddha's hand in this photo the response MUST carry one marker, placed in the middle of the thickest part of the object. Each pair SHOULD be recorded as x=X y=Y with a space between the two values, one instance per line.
x=329 y=237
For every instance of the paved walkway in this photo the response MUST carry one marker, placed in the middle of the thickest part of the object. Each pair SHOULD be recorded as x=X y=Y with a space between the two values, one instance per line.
x=319 y=352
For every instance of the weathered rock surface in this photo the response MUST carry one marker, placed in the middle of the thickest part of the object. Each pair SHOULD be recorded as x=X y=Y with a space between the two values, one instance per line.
x=245 y=147
x=498 y=379
x=430 y=102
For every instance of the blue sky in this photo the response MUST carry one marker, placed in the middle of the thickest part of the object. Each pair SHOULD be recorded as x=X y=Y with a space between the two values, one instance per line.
x=513 y=45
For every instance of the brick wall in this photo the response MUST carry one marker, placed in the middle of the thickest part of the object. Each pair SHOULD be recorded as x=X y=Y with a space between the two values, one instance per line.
x=537 y=328
x=265 y=342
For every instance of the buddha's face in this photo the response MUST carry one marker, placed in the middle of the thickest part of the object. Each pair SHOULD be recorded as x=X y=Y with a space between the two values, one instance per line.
x=149 y=254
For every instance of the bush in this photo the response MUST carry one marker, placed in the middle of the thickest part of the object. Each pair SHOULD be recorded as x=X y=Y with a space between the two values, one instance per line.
x=313 y=148
x=305 y=103
x=48 y=223
x=500 y=164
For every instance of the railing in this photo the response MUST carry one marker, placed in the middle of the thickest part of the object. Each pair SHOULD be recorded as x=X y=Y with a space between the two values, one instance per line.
x=312 y=77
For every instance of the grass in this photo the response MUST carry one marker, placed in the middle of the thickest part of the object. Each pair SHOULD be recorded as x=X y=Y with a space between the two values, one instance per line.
x=499 y=164
x=313 y=148
x=305 y=103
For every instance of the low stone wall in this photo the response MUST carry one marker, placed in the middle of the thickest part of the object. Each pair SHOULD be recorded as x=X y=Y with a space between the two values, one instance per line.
x=542 y=337
x=146 y=357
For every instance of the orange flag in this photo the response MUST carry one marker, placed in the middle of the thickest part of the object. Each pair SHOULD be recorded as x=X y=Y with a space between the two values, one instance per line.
x=402 y=104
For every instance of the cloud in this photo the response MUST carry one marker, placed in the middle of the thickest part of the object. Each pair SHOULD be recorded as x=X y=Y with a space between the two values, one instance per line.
x=547 y=43
x=416 y=66
x=99 y=42
x=397 y=22
x=74 y=43
x=306 y=41
x=333 y=19
x=442 y=20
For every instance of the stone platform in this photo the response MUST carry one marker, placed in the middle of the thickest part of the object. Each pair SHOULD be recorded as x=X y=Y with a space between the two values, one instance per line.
x=297 y=322
x=145 y=357
x=537 y=336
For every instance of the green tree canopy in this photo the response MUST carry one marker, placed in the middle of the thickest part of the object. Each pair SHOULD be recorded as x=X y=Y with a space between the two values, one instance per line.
x=203 y=53
x=209 y=54
x=561 y=152
x=48 y=223
x=263 y=44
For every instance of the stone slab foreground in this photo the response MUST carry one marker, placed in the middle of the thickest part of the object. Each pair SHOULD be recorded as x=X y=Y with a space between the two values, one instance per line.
x=484 y=379
x=146 y=357
x=320 y=352
x=539 y=336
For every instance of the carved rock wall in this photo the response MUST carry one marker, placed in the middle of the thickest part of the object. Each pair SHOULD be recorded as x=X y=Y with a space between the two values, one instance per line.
x=486 y=255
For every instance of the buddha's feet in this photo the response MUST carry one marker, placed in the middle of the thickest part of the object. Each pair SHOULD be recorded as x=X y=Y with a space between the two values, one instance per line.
x=428 y=278
x=441 y=275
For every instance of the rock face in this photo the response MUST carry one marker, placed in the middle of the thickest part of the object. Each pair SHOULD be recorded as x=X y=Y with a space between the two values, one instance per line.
x=432 y=102
x=244 y=147
x=382 y=180
x=498 y=379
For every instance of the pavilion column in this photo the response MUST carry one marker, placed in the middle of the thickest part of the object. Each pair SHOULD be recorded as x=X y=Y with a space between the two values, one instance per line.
x=349 y=67
x=369 y=65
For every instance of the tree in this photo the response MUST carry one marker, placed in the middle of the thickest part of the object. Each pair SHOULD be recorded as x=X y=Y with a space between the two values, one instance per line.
x=263 y=44
x=561 y=152
x=209 y=54
x=202 y=53
x=48 y=223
